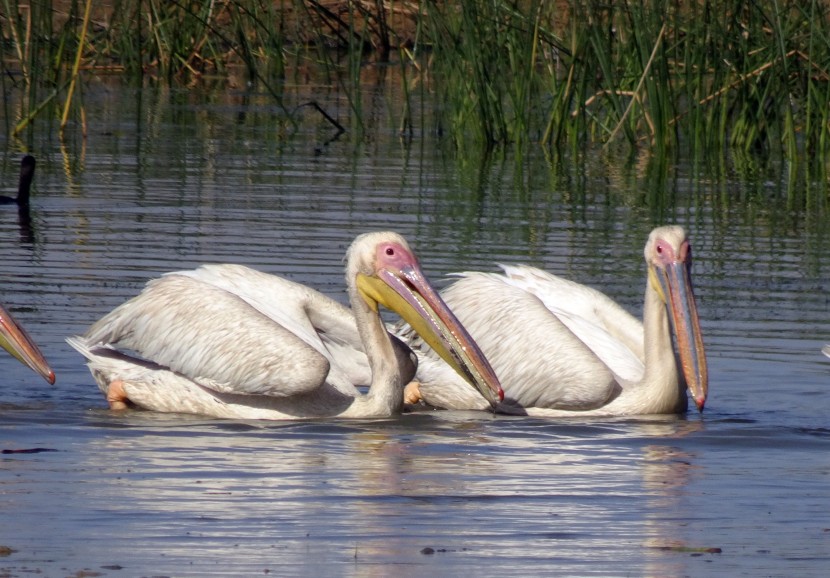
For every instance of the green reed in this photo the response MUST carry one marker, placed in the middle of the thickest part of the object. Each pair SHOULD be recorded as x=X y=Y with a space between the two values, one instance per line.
x=663 y=76
x=485 y=68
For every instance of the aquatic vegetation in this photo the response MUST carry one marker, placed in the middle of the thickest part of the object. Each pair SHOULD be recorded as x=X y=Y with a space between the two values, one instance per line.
x=657 y=75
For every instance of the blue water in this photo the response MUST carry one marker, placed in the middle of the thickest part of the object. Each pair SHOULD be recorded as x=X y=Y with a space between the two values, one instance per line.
x=161 y=184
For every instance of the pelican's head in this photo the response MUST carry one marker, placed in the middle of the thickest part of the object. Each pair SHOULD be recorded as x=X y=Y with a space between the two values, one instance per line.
x=386 y=272
x=15 y=340
x=669 y=258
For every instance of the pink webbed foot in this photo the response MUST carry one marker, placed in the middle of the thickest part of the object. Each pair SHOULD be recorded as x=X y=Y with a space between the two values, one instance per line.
x=412 y=393
x=116 y=396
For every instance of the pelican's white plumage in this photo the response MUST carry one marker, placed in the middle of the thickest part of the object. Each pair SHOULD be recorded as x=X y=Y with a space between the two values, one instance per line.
x=229 y=341
x=563 y=349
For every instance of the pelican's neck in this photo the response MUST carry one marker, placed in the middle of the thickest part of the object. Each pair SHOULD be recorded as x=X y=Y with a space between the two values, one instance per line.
x=660 y=387
x=385 y=395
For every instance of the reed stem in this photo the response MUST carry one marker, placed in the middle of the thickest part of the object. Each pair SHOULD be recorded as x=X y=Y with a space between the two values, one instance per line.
x=76 y=66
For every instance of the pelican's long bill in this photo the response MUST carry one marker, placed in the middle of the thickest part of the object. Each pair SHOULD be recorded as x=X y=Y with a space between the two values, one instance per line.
x=676 y=283
x=15 y=340
x=403 y=288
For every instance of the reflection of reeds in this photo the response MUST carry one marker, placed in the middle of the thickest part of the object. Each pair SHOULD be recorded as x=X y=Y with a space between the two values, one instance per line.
x=653 y=74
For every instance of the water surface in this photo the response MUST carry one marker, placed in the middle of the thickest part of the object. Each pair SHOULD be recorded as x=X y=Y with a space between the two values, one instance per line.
x=166 y=182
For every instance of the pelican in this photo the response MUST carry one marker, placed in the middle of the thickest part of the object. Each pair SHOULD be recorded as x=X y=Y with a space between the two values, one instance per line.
x=826 y=350
x=15 y=340
x=564 y=349
x=229 y=341
x=27 y=173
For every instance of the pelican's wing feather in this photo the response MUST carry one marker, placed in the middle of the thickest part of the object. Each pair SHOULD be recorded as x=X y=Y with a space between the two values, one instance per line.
x=536 y=357
x=158 y=388
x=212 y=337
x=613 y=334
x=321 y=322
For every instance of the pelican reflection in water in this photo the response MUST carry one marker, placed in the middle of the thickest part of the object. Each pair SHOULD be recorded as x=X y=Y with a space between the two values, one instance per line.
x=228 y=341
x=563 y=349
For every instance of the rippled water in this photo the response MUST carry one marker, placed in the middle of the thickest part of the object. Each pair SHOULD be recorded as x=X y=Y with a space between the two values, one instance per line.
x=166 y=183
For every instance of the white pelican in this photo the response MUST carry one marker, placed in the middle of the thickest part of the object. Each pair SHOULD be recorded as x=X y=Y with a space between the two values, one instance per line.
x=228 y=341
x=15 y=340
x=563 y=349
x=24 y=184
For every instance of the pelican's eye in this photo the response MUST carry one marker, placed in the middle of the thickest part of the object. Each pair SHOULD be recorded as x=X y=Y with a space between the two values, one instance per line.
x=390 y=251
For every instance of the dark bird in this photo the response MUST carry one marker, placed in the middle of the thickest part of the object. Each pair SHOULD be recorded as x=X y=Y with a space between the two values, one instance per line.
x=27 y=173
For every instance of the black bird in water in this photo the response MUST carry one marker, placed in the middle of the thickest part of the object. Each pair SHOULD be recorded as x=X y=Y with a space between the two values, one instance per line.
x=27 y=173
